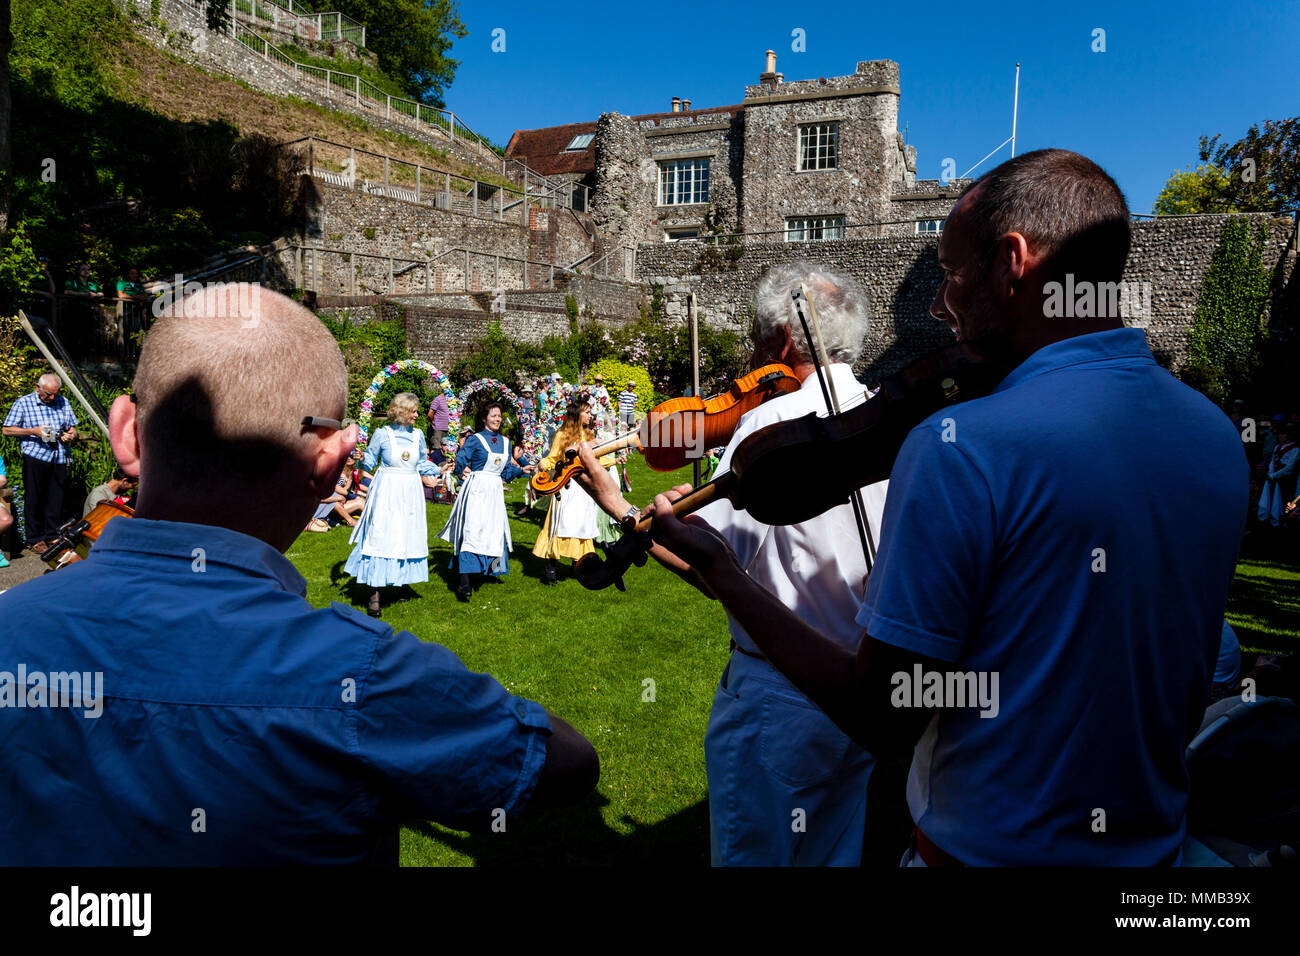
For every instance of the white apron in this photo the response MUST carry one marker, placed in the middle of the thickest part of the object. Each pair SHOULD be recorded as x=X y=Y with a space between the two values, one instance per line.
x=393 y=524
x=482 y=527
x=574 y=515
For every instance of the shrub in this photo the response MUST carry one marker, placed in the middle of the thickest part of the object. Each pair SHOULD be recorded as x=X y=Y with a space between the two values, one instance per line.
x=1227 y=329
x=617 y=373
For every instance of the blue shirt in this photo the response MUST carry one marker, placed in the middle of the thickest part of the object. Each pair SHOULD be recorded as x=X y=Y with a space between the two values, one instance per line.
x=474 y=456
x=1089 y=456
x=30 y=412
x=293 y=734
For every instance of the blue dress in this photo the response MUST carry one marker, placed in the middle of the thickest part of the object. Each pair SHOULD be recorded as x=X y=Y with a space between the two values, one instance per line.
x=478 y=529
x=392 y=536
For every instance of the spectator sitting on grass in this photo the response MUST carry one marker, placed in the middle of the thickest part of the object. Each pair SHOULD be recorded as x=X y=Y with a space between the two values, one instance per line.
x=6 y=519
x=119 y=486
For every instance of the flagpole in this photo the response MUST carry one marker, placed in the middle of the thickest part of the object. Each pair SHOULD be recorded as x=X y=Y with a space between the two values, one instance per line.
x=1015 y=109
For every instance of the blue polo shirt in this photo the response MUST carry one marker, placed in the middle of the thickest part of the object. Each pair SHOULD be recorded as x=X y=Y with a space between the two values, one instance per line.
x=1073 y=533
x=237 y=723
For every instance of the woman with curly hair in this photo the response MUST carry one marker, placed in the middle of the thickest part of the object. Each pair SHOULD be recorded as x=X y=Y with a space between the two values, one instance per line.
x=570 y=526
x=392 y=536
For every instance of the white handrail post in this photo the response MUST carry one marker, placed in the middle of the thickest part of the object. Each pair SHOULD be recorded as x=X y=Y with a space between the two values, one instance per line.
x=476 y=197
x=466 y=270
x=418 y=167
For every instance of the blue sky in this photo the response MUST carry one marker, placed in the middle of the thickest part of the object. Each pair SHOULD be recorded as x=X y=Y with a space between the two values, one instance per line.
x=1170 y=71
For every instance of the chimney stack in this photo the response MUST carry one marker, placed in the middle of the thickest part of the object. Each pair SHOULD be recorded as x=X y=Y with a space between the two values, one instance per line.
x=686 y=106
x=677 y=104
x=771 y=61
x=769 y=76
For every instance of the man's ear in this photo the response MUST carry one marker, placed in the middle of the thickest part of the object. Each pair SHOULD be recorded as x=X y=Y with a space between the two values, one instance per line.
x=787 y=343
x=1014 y=259
x=331 y=455
x=123 y=436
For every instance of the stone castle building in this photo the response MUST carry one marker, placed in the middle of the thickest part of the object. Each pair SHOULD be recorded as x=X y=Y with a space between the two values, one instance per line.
x=801 y=160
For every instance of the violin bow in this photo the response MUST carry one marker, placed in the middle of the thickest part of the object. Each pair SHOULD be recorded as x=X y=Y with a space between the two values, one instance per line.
x=821 y=363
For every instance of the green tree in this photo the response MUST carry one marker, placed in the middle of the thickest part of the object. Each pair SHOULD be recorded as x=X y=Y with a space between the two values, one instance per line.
x=1192 y=191
x=1263 y=166
x=411 y=40
x=1258 y=173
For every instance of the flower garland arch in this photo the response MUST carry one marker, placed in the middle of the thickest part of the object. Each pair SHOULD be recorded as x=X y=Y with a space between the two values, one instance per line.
x=372 y=390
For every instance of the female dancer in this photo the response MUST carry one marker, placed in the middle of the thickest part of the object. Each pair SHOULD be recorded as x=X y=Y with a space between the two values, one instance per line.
x=477 y=528
x=392 y=538
x=570 y=525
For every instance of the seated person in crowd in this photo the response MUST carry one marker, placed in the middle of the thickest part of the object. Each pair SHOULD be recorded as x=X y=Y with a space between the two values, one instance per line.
x=121 y=485
x=6 y=519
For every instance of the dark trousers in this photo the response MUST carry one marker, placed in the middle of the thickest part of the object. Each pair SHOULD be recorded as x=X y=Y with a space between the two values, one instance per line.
x=43 y=485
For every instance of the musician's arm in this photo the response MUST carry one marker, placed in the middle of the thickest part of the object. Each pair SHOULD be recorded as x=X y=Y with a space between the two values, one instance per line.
x=853 y=687
x=598 y=483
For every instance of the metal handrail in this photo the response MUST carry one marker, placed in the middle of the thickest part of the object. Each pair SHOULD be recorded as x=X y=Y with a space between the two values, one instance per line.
x=336 y=81
x=277 y=14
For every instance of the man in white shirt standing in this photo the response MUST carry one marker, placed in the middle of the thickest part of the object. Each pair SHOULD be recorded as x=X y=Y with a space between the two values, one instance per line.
x=786 y=786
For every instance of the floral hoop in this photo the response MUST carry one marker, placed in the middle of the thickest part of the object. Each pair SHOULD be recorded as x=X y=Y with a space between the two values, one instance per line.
x=376 y=383
x=533 y=432
x=552 y=397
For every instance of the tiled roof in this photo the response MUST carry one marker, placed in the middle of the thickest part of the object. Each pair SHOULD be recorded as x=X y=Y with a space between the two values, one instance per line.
x=543 y=149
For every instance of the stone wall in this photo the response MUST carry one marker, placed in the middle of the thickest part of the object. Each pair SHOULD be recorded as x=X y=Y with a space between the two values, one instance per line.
x=624 y=183
x=718 y=137
x=902 y=275
x=865 y=105
x=921 y=199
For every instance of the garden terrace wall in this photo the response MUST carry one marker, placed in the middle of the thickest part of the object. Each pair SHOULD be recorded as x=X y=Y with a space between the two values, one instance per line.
x=902 y=275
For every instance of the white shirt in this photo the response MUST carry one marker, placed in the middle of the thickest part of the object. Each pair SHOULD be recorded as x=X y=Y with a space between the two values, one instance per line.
x=817 y=569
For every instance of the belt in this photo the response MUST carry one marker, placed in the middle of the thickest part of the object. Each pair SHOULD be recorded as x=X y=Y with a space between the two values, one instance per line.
x=748 y=653
x=930 y=854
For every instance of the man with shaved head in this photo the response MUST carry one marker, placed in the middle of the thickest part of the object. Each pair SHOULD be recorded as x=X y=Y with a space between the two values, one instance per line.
x=45 y=422
x=233 y=723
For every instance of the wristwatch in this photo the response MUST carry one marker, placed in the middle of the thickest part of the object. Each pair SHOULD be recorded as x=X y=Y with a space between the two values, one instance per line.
x=628 y=520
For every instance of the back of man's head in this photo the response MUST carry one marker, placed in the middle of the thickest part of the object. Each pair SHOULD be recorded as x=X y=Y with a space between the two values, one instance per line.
x=1065 y=205
x=224 y=380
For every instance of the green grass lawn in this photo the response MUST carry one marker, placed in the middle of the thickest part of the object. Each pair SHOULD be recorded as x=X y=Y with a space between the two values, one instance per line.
x=585 y=656
x=1264 y=603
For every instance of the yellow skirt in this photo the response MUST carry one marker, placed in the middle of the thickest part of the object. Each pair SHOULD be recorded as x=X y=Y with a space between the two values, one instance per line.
x=550 y=548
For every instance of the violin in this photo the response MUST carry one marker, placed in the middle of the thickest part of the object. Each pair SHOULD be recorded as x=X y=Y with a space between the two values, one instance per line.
x=676 y=427
x=863 y=441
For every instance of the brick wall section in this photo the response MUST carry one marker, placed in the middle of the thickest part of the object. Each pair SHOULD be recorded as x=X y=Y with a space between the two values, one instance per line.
x=441 y=328
x=901 y=274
